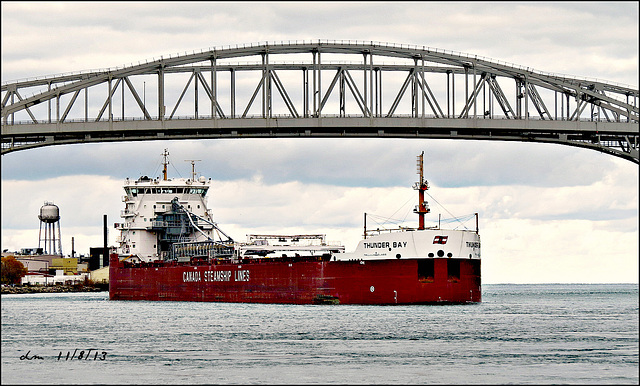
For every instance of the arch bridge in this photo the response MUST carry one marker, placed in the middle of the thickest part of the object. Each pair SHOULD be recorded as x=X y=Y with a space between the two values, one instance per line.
x=320 y=89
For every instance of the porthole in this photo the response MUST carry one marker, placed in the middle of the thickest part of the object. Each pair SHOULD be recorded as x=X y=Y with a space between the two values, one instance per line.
x=398 y=256
x=430 y=254
x=440 y=253
x=449 y=254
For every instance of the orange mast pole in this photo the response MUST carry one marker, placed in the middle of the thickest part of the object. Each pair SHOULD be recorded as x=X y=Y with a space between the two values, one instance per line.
x=421 y=186
x=165 y=162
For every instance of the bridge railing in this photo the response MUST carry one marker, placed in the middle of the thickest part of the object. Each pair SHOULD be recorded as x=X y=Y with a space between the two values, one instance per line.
x=286 y=116
x=318 y=42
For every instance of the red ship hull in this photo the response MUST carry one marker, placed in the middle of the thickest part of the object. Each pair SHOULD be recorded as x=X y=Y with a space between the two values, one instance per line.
x=378 y=282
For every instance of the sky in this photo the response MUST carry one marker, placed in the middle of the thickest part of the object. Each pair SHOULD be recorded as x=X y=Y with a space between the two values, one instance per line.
x=547 y=213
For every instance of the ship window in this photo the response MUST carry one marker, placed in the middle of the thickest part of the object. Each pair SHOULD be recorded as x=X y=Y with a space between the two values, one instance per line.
x=134 y=192
x=425 y=270
x=453 y=269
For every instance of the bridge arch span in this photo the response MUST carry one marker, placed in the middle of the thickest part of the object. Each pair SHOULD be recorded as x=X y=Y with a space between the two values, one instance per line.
x=321 y=89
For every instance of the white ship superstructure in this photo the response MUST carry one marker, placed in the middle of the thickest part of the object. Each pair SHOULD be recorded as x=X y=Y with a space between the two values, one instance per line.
x=153 y=221
x=418 y=244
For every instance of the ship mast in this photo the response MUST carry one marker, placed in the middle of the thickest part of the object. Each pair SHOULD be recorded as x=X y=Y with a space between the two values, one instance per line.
x=165 y=162
x=421 y=186
x=193 y=168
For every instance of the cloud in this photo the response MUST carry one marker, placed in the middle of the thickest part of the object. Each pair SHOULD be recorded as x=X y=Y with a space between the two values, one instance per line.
x=545 y=36
x=81 y=199
x=372 y=162
x=560 y=251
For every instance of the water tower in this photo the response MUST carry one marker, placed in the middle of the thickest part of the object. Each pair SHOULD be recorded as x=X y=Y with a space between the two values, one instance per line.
x=50 y=220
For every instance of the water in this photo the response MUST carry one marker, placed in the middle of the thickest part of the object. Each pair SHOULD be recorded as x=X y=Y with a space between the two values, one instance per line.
x=523 y=334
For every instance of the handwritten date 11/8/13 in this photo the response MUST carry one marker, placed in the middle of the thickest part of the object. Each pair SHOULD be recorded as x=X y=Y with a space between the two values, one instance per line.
x=90 y=354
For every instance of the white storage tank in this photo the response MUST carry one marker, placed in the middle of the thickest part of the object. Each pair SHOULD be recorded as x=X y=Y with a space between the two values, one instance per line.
x=49 y=237
x=49 y=213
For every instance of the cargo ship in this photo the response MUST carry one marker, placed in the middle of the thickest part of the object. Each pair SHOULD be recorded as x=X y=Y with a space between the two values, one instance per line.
x=170 y=249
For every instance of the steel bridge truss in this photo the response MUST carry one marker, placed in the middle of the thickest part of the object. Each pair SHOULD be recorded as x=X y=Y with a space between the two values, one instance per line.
x=329 y=89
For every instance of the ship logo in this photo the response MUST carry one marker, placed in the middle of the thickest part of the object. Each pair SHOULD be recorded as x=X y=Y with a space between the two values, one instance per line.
x=440 y=239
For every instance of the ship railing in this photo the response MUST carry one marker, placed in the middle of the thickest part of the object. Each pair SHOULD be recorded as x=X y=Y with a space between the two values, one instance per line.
x=453 y=223
x=186 y=251
x=287 y=238
x=377 y=231
x=159 y=224
x=169 y=224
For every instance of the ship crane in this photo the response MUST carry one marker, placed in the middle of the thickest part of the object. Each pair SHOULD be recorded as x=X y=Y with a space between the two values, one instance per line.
x=177 y=206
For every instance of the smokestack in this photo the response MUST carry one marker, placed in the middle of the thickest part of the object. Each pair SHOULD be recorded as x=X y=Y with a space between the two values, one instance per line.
x=105 y=254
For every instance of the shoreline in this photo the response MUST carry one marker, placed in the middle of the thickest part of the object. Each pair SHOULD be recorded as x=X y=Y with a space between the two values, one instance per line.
x=12 y=290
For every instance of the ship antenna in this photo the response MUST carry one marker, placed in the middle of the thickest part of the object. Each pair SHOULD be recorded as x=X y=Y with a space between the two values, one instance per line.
x=421 y=186
x=193 y=167
x=165 y=162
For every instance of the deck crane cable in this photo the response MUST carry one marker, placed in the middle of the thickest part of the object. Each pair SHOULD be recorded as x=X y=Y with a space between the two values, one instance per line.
x=384 y=220
x=454 y=218
x=390 y=219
